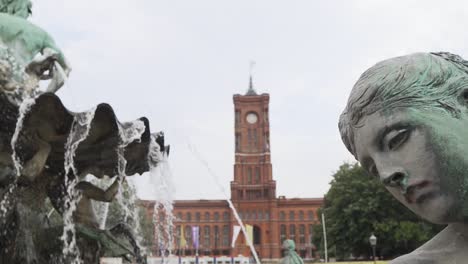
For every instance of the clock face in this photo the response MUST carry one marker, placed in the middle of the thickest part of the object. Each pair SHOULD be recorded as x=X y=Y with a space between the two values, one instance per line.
x=252 y=118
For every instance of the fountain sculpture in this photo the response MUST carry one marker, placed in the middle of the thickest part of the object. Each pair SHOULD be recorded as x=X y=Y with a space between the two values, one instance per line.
x=46 y=151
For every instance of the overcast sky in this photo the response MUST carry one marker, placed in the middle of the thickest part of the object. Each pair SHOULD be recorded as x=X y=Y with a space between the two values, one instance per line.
x=180 y=62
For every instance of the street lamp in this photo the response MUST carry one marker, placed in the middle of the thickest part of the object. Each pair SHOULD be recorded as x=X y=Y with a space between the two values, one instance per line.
x=373 y=243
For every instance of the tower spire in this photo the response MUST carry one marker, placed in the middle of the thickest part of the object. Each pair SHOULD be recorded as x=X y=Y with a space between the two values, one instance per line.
x=251 y=90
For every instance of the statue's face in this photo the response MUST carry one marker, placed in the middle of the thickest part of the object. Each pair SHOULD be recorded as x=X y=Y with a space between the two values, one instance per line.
x=422 y=158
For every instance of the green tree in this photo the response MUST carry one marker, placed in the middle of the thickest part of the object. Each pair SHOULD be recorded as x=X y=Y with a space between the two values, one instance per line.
x=358 y=205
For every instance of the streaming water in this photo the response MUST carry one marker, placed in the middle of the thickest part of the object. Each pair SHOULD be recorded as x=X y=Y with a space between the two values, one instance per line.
x=163 y=191
x=101 y=209
x=129 y=132
x=231 y=205
x=79 y=131
x=7 y=200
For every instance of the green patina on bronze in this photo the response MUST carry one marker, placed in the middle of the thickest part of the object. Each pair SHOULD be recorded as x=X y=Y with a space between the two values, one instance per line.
x=423 y=99
x=25 y=38
x=290 y=254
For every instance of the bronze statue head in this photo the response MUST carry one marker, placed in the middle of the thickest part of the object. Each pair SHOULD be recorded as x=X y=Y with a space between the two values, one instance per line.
x=406 y=122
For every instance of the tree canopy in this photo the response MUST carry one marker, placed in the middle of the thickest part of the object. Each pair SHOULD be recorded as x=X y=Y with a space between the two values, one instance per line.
x=358 y=205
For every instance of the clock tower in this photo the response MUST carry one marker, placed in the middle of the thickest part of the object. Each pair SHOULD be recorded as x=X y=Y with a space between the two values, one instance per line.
x=252 y=169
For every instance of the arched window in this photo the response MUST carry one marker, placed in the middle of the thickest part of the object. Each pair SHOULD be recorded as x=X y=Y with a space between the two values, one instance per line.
x=254 y=215
x=249 y=175
x=225 y=236
x=302 y=234
x=282 y=215
x=291 y=215
x=216 y=236
x=207 y=237
x=226 y=216
x=188 y=235
x=257 y=174
x=179 y=216
x=311 y=233
x=282 y=233
x=207 y=216
x=189 y=216
x=197 y=216
x=311 y=215
x=247 y=215
x=216 y=216
x=260 y=215
x=292 y=232
x=267 y=215
x=301 y=215
x=178 y=235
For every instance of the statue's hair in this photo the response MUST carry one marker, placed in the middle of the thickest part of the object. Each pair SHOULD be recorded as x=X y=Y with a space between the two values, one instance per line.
x=420 y=80
x=20 y=8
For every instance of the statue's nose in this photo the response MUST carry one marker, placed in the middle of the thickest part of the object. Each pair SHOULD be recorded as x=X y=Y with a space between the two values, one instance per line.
x=395 y=179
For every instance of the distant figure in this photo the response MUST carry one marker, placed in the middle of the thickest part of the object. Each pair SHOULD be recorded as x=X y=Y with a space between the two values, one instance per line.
x=290 y=255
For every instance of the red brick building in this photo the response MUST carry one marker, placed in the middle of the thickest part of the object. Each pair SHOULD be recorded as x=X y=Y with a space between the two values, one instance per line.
x=253 y=193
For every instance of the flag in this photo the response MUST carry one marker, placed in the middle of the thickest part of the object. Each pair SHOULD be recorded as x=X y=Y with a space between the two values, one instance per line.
x=195 y=236
x=235 y=234
x=183 y=242
x=249 y=230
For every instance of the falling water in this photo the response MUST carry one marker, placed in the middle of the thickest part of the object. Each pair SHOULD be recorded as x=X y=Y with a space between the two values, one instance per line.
x=101 y=209
x=129 y=132
x=231 y=205
x=24 y=108
x=79 y=131
x=161 y=180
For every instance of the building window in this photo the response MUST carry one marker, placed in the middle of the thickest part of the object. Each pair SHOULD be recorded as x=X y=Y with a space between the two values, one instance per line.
x=225 y=236
x=311 y=232
x=255 y=140
x=301 y=215
x=197 y=216
x=237 y=116
x=282 y=216
x=207 y=216
x=265 y=114
x=226 y=216
x=267 y=215
x=207 y=236
x=179 y=215
x=238 y=141
x=282 y=233
x=254 y=215
x=178 y=236
x=249 y=175
x=292 y=232
x=247 y=215
x=216 y=236
x=260 y=215
x=249 y=137
x=302 y=234
x=311 y=215
x=216 y=216
x=188 y=235
x=291 y=215
x=189 y=217
x=257 y=174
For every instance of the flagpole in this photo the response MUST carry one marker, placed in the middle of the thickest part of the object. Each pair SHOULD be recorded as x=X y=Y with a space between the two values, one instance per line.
x=325 y=238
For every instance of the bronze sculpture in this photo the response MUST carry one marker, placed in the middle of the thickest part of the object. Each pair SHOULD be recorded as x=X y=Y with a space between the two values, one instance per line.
x=406 y=122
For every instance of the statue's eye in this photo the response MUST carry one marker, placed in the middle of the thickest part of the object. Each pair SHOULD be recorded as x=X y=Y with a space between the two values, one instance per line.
x=396 y=138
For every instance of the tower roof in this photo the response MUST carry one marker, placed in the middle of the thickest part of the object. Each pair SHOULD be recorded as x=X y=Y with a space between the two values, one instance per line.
x=251 y=90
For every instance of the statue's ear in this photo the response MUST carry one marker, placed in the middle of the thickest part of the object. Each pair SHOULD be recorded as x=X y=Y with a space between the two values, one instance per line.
x=463 y=97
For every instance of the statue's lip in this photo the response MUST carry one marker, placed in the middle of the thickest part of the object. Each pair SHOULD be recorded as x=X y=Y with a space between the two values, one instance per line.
x=417 y=192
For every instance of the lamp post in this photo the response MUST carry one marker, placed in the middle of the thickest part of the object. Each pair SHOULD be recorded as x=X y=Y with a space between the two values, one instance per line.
x=373 y=243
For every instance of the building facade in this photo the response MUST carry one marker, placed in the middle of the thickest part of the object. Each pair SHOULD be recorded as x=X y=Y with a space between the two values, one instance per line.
x=253 y=194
